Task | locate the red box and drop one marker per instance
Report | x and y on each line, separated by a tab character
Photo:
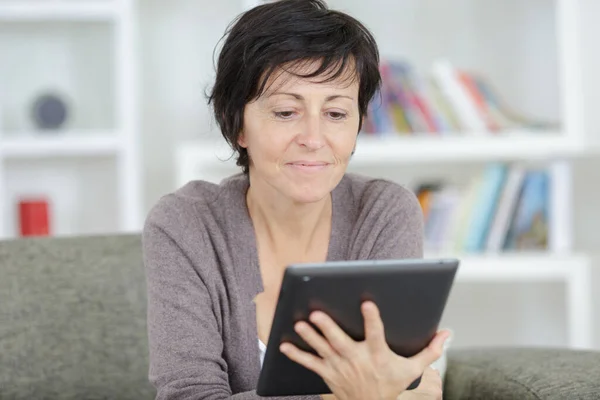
34	217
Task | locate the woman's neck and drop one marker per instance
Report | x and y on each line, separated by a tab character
284	222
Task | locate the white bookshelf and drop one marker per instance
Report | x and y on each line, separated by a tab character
527	267
425	149
211	159
573	271
72	145
116	138
515	146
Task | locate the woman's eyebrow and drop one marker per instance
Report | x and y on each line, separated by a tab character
300	97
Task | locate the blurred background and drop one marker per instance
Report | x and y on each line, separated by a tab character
488	112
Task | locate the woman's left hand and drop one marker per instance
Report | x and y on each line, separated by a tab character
430	388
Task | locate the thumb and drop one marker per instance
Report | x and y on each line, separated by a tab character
433	351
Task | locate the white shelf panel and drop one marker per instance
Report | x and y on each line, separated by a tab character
61	145
197	158
464	148
63	10
533	267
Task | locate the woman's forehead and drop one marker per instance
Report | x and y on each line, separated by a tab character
299	74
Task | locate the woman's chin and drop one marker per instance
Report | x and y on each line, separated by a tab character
311	191
309	195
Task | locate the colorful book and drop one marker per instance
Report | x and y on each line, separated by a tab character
485	207
506	209
529	230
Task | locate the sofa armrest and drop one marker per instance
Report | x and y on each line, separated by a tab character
522	373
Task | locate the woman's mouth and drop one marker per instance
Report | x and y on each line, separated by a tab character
308	166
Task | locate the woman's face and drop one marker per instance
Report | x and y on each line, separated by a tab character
300	135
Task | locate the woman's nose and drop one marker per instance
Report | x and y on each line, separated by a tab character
312	136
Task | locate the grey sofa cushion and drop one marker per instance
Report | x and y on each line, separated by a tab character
73	319
522	373
73	326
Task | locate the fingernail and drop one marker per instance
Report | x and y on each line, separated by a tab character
368	305
449	337
284	347
299	327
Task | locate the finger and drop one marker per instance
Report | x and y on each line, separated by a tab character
337	338
314	340
374	330
433	351
307	360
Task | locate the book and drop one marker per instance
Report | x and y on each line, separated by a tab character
485	207
503	208
506	209
443	100
529	229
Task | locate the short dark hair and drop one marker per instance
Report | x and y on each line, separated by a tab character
281	34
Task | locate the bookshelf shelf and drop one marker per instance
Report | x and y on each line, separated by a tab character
69	145
58	45
464	148
519	267
44	10
194	157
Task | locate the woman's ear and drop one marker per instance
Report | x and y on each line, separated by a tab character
241	140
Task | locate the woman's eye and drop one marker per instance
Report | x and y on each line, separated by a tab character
284	114
337	116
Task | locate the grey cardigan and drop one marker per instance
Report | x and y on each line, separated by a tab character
202	276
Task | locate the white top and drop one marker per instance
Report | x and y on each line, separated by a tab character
262	350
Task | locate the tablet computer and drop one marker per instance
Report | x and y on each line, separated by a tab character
411	296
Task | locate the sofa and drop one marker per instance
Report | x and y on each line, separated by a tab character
73	326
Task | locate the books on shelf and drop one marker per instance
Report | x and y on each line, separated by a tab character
446	100
504	208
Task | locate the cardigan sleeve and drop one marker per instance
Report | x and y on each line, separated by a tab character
185	341
389	223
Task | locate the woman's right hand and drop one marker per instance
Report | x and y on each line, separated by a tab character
367	370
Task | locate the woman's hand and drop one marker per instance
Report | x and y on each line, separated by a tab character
430	387
367	370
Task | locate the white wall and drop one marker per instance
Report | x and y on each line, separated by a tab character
178	38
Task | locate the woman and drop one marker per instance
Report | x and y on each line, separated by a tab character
293	83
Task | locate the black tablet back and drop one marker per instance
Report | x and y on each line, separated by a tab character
411	296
